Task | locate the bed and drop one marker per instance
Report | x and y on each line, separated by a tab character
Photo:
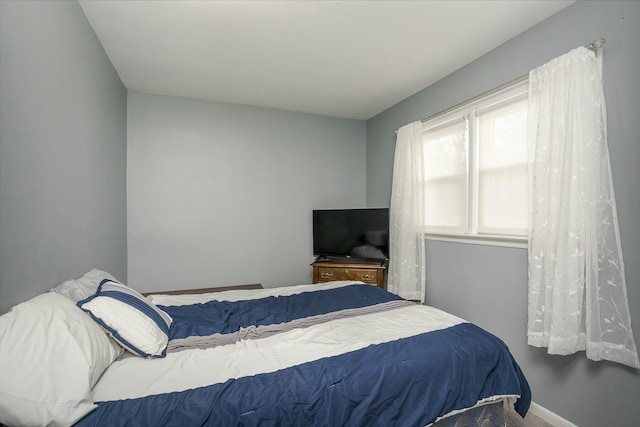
337	353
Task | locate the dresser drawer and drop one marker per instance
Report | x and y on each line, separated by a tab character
367	276
327	272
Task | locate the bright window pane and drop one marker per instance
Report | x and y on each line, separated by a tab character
503	208
446	182
502	168
446	204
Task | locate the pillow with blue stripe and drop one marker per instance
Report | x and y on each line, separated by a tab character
132	320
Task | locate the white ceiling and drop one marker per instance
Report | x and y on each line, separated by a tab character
349	59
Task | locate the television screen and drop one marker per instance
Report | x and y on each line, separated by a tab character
352	233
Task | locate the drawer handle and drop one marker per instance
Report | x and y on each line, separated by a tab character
327	275
367	277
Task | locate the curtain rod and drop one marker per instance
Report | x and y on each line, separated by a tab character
595	46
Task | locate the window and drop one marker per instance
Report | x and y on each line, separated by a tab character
476	176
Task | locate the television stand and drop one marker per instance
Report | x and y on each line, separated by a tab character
367	272
348	260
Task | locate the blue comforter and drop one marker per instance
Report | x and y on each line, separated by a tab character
410	381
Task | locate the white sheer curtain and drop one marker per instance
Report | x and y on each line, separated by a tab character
406	243
577	289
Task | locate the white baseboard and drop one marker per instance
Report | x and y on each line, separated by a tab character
549	417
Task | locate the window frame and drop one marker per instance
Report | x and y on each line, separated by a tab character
467	111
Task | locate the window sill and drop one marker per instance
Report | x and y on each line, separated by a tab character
509	242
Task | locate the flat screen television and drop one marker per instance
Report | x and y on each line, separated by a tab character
361	234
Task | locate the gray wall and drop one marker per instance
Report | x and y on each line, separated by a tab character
488	285
62	151
222	194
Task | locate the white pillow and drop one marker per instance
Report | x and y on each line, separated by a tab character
82	288
52	355
131	319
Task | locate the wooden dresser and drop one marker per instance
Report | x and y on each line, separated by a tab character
330	270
